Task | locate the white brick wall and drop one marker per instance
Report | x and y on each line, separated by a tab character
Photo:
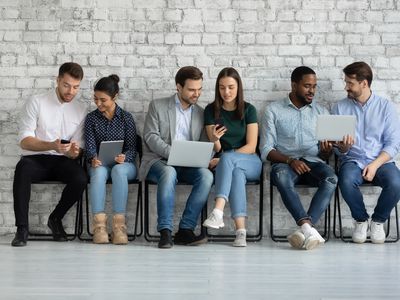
145	42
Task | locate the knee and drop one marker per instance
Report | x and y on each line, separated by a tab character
168	175
331	181
118	171
281	177
238	173
206	177
394	184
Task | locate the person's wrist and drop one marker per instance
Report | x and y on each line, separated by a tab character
289	160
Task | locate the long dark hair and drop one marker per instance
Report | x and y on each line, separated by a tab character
218	101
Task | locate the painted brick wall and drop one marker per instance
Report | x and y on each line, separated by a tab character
145	42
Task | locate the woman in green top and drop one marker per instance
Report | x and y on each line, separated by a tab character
231	124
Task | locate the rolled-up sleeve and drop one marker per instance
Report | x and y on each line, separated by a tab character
28	121
268	134
391	136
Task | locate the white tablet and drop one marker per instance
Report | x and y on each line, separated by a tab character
108	151
190	154
335	127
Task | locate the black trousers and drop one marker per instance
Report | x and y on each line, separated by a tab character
35	168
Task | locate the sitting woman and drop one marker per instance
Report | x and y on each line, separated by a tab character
231	123
109	122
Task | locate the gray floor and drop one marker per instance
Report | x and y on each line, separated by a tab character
264	270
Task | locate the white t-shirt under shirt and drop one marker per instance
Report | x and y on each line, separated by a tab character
46	118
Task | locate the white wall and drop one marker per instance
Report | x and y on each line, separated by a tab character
145	42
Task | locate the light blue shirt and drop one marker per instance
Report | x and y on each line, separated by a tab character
291	130
377	129
183	121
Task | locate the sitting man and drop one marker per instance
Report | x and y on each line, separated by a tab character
288	140
51	133
176	118
368	157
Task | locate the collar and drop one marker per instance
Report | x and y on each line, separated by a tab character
117	114
179	105
288	102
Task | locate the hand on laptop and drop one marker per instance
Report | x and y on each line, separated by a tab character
345	144
95	162
120	158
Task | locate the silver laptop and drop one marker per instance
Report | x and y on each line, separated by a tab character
335	127
109	150
190	154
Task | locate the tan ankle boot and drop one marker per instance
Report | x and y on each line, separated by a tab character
119	235
100	235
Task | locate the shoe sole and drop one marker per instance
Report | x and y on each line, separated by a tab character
378	241
296	241
195	243
212	226
239	245
357	241
169	246
311	244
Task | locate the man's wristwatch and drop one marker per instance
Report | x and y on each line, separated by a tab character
289	160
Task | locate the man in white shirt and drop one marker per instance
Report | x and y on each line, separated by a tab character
50	136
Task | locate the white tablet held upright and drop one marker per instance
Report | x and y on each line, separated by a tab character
108	151
335	127
190	154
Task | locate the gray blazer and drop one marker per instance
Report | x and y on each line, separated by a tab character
159	130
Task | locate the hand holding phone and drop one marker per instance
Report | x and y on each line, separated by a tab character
62	141
219	123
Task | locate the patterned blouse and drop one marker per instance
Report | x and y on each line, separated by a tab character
121	127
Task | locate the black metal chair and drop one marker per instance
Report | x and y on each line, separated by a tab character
283	238
249	237
139	211
348	238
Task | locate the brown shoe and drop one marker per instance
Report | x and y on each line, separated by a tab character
100	235
119	235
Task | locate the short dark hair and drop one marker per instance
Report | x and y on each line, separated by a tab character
187	72
108	85
72	69
299	72
359	70
218	101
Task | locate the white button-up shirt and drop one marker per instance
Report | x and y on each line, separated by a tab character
46	118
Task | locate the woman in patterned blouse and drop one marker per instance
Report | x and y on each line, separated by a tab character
109	122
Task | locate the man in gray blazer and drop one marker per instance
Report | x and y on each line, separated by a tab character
176	118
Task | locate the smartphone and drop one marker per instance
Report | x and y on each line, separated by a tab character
219	123
64	141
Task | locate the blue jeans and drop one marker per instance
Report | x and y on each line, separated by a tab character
120	174
232	172
321	176
166	178
387	177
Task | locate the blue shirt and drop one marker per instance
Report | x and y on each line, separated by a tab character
121	127
377	129
291	130
183	121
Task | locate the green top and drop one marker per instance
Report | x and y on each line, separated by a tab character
235	136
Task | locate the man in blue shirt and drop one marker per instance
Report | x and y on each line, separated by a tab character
288	140
369	156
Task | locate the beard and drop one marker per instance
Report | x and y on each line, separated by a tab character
303	99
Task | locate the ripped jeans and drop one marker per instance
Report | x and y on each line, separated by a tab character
321	176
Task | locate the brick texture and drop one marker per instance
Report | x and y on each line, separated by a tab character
145	42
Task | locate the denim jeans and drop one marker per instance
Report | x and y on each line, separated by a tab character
120	174
321	176
387	177
166	178
231	174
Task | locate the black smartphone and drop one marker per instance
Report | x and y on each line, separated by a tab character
219	123
64	141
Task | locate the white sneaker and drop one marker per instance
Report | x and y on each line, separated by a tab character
360	232
312	239
377	233
316	233
240	240
296	239
213	221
